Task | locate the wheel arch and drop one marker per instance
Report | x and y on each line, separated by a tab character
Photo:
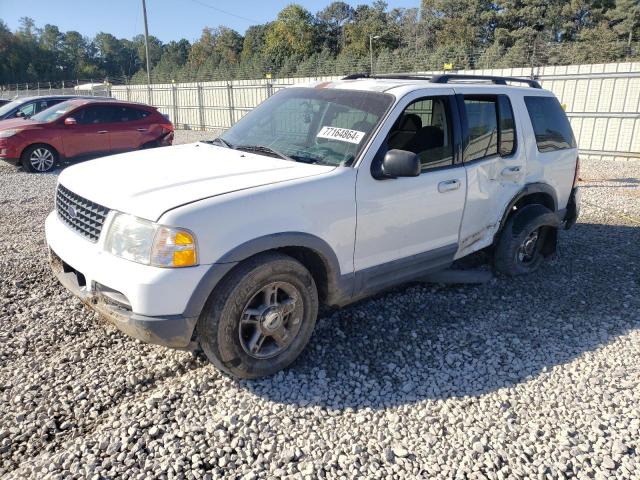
532	193
44	144
313	252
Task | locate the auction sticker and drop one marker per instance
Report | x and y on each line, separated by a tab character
341	134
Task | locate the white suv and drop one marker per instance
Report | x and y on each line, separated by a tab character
322	194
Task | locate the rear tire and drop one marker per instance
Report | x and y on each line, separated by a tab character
39	158
519	248
260	317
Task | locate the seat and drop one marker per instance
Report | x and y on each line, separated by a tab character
408	126
427	138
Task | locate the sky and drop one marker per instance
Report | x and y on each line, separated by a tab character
168	19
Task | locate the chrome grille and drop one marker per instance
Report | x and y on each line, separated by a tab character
82	215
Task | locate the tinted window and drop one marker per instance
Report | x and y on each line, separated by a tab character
129	114
94	115
550	124
424	128
507	130
482	117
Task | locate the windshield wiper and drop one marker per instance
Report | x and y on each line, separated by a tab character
221	141
263	149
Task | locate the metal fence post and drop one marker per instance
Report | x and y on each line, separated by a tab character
230	99
200	106
127	90
174	101
269	88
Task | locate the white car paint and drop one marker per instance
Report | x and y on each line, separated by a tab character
229	197
147	183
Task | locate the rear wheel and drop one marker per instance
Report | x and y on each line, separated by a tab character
39	158
261	316
520	247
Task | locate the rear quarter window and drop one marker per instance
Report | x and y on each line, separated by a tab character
550	124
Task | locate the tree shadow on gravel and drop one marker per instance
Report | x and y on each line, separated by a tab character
434	342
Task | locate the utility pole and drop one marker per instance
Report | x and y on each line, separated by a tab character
146	47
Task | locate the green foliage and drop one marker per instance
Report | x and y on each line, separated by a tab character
337	39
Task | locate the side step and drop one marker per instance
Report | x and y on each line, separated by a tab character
458	276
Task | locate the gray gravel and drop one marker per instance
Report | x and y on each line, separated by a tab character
534	377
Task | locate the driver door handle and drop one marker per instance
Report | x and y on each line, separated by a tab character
103	131
448	185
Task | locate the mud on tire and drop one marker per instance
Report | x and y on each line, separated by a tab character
260	317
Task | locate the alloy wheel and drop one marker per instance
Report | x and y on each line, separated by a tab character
271	320
41	159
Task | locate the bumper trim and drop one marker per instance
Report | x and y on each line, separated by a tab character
173	331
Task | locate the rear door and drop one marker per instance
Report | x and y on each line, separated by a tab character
90	135
129	128
494	159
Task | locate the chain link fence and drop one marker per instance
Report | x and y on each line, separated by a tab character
602	100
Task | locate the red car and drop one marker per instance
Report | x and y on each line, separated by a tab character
82	128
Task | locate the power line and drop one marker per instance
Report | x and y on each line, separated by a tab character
224	11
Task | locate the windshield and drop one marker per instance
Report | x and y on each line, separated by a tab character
325	126
10	106
53	113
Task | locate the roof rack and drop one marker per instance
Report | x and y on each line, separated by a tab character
448	78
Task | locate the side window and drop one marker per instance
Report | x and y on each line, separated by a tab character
424	128
482	117
28	109
129	114
94	115
492	128
507	128
44	104
550	124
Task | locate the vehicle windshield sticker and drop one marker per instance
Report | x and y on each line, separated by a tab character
341	134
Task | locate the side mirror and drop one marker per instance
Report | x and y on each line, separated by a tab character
19	114
70	121
401	163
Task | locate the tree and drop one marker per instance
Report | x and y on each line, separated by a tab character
292	34
330	23
625	18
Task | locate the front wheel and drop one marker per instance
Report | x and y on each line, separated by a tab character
261	316
39	158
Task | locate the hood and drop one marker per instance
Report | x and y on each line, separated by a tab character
18	124
148	183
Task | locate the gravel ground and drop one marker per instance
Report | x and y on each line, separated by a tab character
534	377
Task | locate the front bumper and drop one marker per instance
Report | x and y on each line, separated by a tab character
172	331
149	303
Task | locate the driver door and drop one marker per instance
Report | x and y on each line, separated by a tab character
409	226
90	135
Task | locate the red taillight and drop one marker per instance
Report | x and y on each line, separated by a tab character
576	177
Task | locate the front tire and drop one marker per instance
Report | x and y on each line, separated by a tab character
39	158
260	317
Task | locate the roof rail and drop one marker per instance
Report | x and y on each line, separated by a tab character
447	78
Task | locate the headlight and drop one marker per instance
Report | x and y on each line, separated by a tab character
146	242
8	133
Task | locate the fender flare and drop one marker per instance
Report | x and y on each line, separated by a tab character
338	286
528	189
